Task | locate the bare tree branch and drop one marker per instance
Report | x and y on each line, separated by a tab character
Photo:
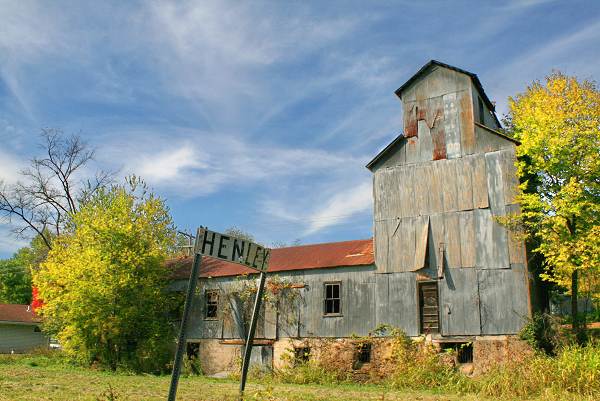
51	189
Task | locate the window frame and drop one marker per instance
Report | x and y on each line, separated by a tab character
325	299
206	304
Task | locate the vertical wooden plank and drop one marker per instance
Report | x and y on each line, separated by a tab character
467	238
448	173
467	126
464	184
395	249
479	177
451	126
495	183
421	236
453	240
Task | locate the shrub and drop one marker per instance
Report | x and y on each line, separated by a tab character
544	333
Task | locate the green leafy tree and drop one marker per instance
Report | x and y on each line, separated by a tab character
558	124
104	281
15	273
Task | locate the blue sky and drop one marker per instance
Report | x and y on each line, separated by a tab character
256	114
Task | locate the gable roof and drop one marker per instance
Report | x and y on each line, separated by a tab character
14	313
432	63
303	257
384	151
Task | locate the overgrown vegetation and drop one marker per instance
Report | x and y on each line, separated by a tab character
574	370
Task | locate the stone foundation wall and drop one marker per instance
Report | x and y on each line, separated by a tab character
341	354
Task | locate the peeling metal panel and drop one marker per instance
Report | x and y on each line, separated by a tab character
466	225
503	296
459	301
451	126
422	235
495	184
452	240
479	176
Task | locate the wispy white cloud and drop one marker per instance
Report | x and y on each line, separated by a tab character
341	206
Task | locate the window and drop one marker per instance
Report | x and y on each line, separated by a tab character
363	353
333	303
463	351
301	355
212	304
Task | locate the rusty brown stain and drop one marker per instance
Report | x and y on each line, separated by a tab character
411	123
438	138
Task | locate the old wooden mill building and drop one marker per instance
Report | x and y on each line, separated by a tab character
439	264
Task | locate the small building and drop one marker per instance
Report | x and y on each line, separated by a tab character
440	265
20	330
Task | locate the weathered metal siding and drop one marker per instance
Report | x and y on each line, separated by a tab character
460	177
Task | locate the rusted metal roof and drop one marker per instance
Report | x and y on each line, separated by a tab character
12	313
303	257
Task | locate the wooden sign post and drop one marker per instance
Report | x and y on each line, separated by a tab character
232	249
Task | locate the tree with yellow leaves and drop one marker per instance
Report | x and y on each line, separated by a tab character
558	125
104	283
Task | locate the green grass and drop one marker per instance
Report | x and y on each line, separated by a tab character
44	377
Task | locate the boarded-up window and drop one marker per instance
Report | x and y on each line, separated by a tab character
333	301
211	304
429	307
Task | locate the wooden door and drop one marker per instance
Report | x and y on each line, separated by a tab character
429	308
